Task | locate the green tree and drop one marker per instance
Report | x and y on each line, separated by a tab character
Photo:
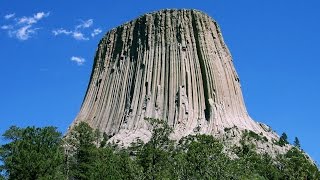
104	139
155	156
283	139
82	151
110	164
296	143
296	165
249	164
36	153
203	158
32	153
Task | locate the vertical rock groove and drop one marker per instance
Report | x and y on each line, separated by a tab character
171	65
202	66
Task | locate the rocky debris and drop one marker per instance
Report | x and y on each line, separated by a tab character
171	65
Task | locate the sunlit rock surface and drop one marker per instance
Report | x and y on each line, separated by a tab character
171	65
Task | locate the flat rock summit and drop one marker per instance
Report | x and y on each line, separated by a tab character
171	65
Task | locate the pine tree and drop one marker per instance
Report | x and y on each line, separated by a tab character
32	153
283	139
83	151
36	153
296	143
154	156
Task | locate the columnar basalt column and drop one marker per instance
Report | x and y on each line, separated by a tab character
171	65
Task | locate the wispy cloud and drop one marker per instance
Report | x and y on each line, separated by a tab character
75	34
23	28
79	36
85	24
61	31
78	60
33	19
80	31
8	16
96	32
25	32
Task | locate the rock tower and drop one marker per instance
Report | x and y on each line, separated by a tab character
171	65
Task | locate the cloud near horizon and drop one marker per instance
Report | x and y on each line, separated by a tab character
79	60
23	28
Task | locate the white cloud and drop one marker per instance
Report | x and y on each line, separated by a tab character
96	32
80	31
24	32
78	60
27	20
23	28
79	36
8	16
61	31
85	24
75	34
41	15
33	19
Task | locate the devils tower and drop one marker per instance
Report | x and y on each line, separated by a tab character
171	65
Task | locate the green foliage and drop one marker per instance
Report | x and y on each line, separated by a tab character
296	165
32	153
35	153
283	140
296	143
251	165
155	156
110	164
248	135
83	151
104	139
200	157
88	161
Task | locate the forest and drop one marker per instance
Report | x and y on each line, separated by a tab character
84	153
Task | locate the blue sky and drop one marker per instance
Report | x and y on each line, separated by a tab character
47	50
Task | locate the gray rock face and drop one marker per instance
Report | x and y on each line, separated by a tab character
171	65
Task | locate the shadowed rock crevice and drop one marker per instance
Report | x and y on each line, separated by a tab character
202	66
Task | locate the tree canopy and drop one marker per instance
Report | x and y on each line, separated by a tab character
41	153
32	153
